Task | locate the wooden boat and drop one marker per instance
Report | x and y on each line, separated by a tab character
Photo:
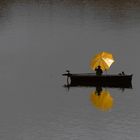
89	79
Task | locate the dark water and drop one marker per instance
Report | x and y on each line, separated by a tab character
39	40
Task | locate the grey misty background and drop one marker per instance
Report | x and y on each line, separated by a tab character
39	40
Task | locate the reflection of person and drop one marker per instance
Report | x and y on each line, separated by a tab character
98	90
99	71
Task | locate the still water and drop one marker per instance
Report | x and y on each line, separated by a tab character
39	40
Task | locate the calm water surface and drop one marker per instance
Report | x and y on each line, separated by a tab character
39	40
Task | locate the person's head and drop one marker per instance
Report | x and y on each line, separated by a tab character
99	67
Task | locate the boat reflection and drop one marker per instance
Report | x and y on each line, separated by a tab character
101	99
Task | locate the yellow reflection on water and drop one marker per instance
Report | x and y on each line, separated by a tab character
102	100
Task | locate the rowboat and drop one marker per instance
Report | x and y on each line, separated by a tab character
90	79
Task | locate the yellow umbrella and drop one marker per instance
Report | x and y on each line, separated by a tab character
103	59
103	101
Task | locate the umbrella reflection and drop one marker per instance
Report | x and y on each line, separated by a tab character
101	99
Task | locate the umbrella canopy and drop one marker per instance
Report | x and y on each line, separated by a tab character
103	59
102	101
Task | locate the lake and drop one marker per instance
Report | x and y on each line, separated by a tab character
39	40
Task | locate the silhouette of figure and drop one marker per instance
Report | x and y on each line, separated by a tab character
98	90
99	71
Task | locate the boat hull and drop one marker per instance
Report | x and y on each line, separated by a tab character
122	81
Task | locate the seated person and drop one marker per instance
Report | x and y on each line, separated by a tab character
99	71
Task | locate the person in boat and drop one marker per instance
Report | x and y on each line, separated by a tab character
99	71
